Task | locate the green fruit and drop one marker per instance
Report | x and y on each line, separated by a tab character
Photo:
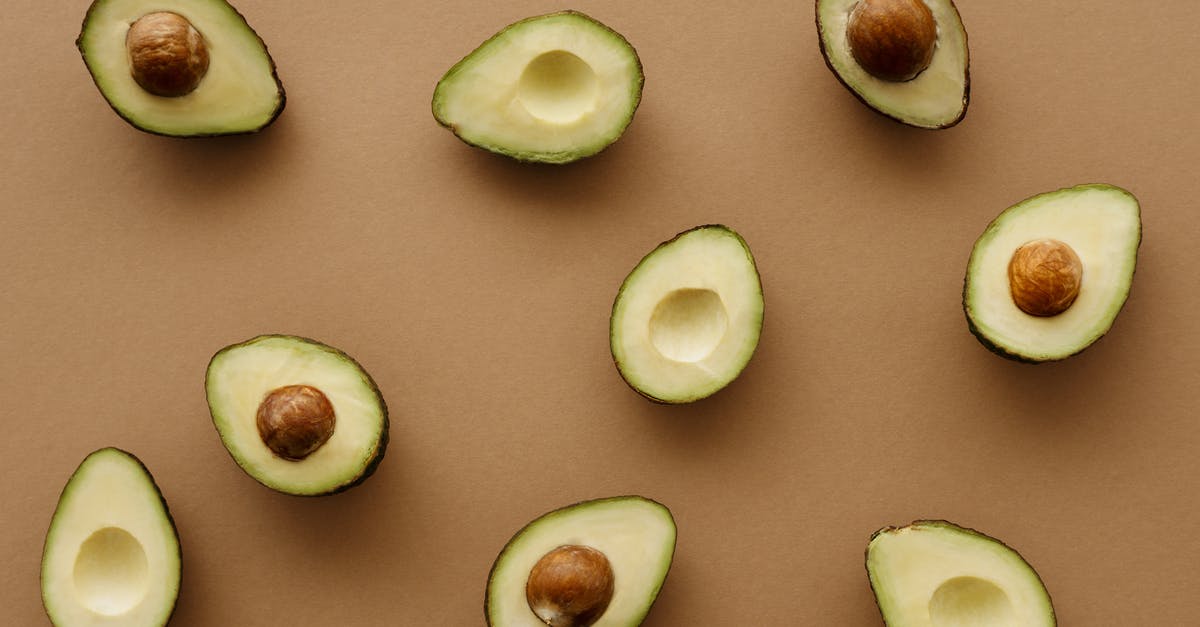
112	555
687	319
1059	299
598	562
182	69
553	89
932	573
299	416
906	59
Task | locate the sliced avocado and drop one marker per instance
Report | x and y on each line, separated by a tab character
686	320
553	89
933	573
112	556
598	562
299	416
906	59
182	68
1050	274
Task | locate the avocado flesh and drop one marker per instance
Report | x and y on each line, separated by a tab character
687	319
240	93
1102	223
240	377
552	89
112	556
937	574
935	98
636	534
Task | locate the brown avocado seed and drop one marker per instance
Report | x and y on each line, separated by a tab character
893	40
570	586
1044	276
167	55
295	420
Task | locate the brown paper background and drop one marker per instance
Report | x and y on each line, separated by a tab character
477	292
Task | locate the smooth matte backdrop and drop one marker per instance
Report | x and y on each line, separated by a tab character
477	292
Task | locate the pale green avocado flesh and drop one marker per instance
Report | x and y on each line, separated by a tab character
112	556
240	93
635	534
935	98
1102	224
937	574
241	376
687	319
552	89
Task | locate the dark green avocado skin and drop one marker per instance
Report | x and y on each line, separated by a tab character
166	511
384	434
274	75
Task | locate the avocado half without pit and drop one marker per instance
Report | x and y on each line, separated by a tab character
598	562
906	59
933	573
300	417
181	68
687	319
552	89
1050	274
112	556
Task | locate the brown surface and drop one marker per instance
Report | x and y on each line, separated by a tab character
477	293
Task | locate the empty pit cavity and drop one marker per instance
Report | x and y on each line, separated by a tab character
111	572
688	324
558	87
971	602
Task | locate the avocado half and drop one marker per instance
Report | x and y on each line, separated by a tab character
550	89
112	555
635	534
1102	224
933	573
244	380
936	98
240	92
687	319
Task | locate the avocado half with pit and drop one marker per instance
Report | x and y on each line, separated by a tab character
552	89
599	562
906	59
181	68
687	319
112	556
300	417
1050	274
933	573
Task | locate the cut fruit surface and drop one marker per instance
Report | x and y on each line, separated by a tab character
112	556
1097	227
299	416
934	573
936	97
553	88
687	319
635	537
238	90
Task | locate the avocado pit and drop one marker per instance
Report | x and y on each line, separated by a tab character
167	55
1044	277
295	420
893	40
570	586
